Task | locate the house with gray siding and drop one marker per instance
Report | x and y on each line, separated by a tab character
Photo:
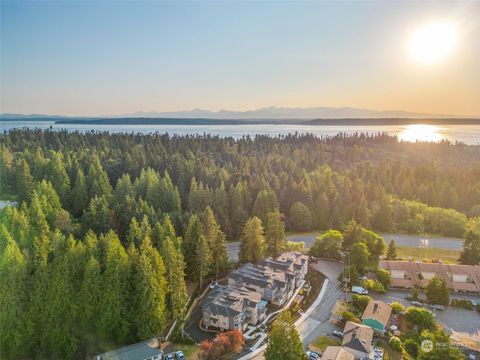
229	308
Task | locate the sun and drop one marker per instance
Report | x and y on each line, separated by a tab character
432	42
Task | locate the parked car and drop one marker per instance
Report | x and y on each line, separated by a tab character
169	356
417	303
359	290
338	334
437	307
213	284
473	302
312	355
179	355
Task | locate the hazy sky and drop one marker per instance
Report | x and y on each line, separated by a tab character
98	58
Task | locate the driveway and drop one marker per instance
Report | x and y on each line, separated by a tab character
233	248
318	322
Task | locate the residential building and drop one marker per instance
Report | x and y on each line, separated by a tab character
276	279
377	315
408	274
357	339
233	308
145	350
337	353
272	285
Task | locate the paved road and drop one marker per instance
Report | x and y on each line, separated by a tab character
318	322
402	240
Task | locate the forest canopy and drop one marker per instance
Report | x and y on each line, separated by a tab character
102	218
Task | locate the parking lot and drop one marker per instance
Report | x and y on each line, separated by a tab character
466	322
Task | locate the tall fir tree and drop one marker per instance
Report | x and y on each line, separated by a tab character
284	341
252	244
175	275
203	259
150	289
191	239
392	250
114	321
13	300
275	234
470	254
23	181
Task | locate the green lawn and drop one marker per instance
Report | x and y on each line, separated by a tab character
323	341
446	255
188	350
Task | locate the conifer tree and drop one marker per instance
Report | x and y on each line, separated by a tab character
265	202
471	245
23	181
252	244
13	300
79	194
284	341
192	238
392	250
98	182
150	289
275	234
175	275
203	259
219	254
114	305
90	294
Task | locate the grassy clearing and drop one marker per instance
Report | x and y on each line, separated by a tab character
389	353
190	351
446	255
322	342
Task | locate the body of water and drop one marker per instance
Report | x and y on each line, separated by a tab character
468	134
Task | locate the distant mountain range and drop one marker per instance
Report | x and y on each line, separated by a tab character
268	113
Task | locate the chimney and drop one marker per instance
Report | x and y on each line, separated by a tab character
375	306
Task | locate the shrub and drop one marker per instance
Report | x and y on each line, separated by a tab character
361	301
348	316
462	303
395	343
397	307
411	347
421	317
383	276
224	343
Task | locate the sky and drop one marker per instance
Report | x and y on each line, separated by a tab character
104	58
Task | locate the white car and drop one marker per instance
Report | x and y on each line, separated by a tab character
338	333
312	355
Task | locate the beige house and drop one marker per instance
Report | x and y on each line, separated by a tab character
377	315
336	353
408	274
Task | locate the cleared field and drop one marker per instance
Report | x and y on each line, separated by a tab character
449	256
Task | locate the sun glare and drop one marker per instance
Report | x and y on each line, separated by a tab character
433	42
419	132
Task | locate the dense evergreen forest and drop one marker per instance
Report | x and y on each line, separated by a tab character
110	227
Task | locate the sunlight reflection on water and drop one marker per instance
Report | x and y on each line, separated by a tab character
420	132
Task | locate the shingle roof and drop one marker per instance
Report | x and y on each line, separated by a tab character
139	351
378	310
444	271
337	353
358	337
227	301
